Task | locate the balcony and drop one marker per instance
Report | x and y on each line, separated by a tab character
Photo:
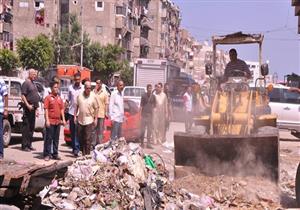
120	21
145	23
7	27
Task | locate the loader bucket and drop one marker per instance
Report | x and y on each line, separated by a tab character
253	155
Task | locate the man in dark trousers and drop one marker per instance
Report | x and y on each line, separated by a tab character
73	91
3	112
147	106
30	98
54	112
86	117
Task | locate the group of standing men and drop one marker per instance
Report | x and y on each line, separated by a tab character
87	111
156	114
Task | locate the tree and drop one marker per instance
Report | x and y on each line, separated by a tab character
126	74
67	43
109	62
8	61
37	53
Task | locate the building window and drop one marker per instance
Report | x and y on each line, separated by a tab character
118	33
99	6
121	10
99	29
39	4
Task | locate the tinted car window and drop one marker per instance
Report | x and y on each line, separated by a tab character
274	95
291	97
15	89
137	92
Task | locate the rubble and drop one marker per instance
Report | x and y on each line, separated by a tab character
234	192
118	175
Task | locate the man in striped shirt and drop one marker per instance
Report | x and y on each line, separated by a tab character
236	64
3	112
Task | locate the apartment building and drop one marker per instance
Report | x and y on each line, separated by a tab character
193	55
121	22
296	4
6	35
33	17
106	21
163	38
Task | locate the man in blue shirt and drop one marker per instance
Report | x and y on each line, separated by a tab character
3	112
116	110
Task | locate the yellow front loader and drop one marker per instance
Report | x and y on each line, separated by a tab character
239	135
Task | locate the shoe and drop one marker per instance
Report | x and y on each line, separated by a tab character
32	149
26	149
76	154
56	158
47	158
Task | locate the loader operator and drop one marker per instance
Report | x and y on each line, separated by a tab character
236	67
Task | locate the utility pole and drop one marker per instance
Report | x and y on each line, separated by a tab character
81	49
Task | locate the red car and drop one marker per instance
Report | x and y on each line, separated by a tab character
130	127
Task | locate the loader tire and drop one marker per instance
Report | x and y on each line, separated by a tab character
268	130
198	130
297	186
6	133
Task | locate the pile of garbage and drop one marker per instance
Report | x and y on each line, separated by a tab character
118	175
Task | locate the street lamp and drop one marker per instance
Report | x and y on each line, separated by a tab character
81	50
81	43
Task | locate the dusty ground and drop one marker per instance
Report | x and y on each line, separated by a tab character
234	193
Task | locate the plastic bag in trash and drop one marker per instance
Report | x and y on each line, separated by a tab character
122	160
99	156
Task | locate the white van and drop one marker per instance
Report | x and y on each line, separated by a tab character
14	122
134	93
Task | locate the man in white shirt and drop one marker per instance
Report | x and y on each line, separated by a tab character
188	105
116	110
73	92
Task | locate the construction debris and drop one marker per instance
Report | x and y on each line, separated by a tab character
234	192
119	176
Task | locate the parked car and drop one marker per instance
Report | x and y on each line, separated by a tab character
286	104
13	124
130	127
134	93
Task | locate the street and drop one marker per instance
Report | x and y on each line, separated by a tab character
289	158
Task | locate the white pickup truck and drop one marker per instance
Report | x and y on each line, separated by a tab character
13	124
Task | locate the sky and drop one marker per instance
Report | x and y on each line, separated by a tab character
274	18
